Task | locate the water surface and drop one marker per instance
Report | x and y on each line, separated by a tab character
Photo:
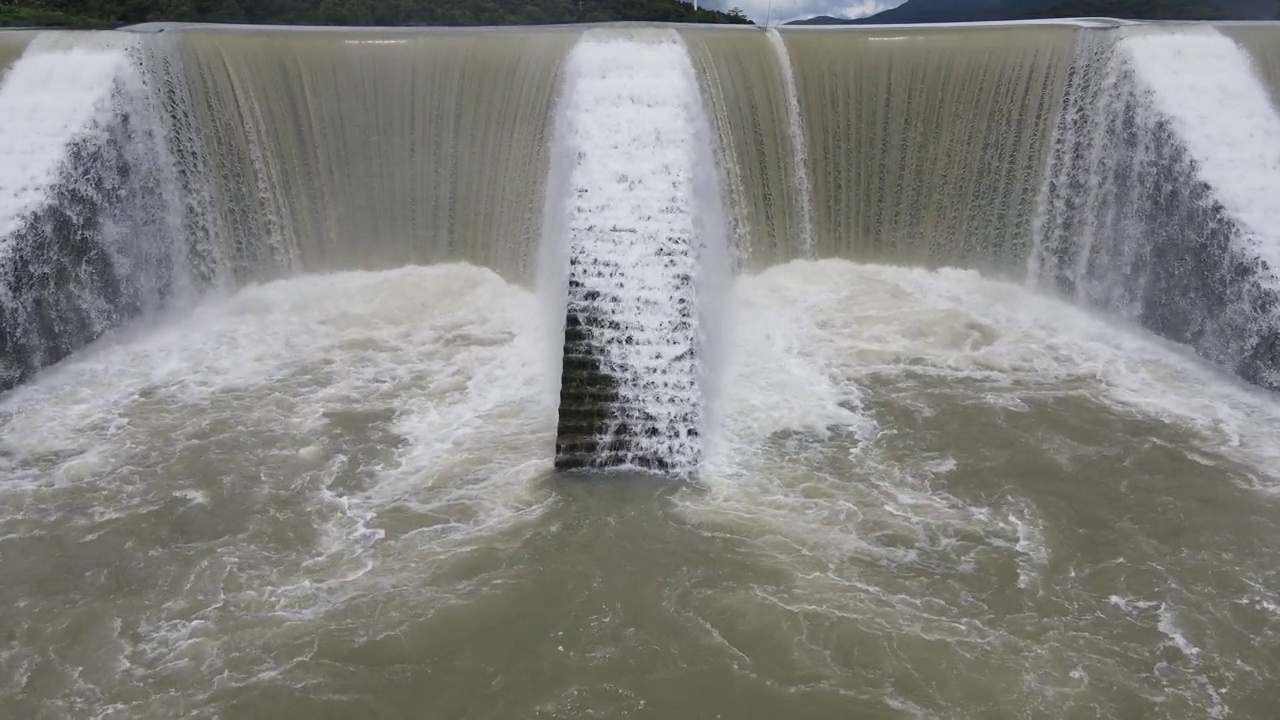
926	494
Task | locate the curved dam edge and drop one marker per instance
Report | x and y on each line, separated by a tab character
320	149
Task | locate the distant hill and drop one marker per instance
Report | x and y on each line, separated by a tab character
922	11
931	11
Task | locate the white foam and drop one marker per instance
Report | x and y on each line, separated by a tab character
1032	546
959	324
631	111
55	93
798	457
799	453
1168	625
1207	85
871	524
369	427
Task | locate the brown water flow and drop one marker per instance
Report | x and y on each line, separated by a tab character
927	146
930	495
343	150
920	493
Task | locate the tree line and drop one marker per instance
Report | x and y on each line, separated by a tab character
115	13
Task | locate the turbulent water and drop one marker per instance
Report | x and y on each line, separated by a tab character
285	322
931	495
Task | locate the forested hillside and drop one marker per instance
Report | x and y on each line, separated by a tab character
110	13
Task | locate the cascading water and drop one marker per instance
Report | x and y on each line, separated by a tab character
337	150
799	146
1157	203
631	394
91	217
250	157
928	147
747	90
919	491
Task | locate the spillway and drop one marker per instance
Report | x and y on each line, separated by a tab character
630	393
1156	206
928	147
341	369
275	152
91	224
375	150
224	157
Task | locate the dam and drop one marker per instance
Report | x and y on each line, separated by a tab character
652	370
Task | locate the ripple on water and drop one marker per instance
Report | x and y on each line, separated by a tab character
228	483
955	470
930	495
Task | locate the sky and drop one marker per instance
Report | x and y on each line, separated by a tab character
785	10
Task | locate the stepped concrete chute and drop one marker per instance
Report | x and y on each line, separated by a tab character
631	391
588	394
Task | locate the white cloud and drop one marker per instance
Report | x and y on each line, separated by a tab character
779	11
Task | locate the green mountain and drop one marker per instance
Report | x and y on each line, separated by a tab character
114	13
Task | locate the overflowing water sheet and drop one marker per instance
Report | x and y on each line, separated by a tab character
12	44
911	492
928	146
336	149
799	146
746	90
1258	39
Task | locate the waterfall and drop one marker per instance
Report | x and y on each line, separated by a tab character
341	149
799	146
91	214
1129	168
745	87
1156	203
631	393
